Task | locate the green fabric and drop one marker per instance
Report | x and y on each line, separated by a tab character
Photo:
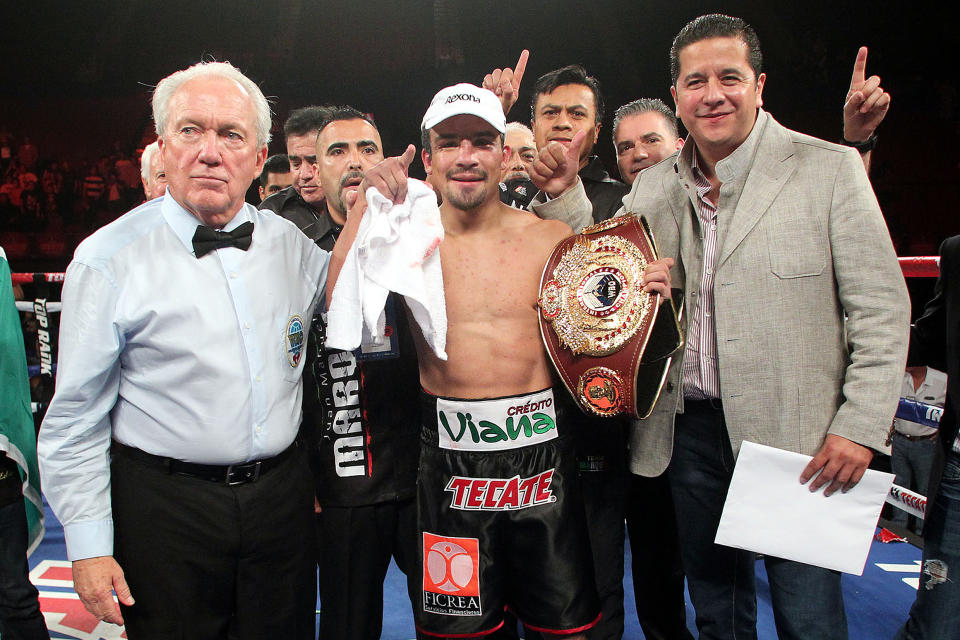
17	436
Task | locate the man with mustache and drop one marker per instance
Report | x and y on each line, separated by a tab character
494	358
523	151
516	188
362	414
565	101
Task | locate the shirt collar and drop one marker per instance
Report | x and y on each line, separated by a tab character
325	225
184	224
701	182
736	165
322	223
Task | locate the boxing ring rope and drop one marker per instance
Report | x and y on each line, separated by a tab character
920	266
913	267
927	415
52	307
41	309
30	278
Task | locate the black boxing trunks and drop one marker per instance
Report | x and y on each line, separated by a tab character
501	518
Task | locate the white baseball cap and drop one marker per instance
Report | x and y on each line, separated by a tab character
465	99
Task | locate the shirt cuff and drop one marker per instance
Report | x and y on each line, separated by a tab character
89	539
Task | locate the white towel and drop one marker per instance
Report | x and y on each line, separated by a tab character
396	249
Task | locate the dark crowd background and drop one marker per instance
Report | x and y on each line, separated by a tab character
76	80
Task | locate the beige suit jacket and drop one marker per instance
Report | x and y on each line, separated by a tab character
806	246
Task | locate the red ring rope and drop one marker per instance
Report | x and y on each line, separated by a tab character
920	266
28	278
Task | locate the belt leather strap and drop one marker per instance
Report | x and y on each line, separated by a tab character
231	475
610	341
912	438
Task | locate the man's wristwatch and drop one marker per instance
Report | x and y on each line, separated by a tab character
862	147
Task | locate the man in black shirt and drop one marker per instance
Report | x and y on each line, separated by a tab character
361	414
516	187
566	101
302	202
275	176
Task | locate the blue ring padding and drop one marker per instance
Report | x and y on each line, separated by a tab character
34	369
925	414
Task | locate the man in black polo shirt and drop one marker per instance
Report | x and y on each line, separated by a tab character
302	202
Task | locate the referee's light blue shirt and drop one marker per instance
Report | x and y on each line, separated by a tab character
194	359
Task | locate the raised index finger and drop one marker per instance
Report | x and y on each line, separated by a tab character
407	157
859	70
520	68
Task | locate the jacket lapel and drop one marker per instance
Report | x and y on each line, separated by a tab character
772	166
691	246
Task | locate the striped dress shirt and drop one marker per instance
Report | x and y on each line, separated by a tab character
701	377
701	374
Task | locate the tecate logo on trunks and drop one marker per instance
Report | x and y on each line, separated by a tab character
496	425
500	494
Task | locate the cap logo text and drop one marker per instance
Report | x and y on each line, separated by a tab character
462	96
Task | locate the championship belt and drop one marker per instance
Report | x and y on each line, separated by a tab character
609	340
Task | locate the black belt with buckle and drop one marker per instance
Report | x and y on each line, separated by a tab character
232	474
931	436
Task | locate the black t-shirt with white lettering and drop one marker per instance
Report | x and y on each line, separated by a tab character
361	409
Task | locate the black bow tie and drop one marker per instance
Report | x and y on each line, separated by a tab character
206	239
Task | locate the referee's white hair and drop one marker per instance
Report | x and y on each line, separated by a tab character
169	85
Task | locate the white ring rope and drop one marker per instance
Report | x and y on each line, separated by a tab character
27	306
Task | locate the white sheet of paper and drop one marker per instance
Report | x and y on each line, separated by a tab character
768	511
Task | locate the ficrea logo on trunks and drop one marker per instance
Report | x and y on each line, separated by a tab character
451	575
496	425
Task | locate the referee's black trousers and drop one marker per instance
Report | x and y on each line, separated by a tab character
204	559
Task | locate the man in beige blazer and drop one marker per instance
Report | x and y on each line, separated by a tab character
796	319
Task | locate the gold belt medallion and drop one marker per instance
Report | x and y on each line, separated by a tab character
595	299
